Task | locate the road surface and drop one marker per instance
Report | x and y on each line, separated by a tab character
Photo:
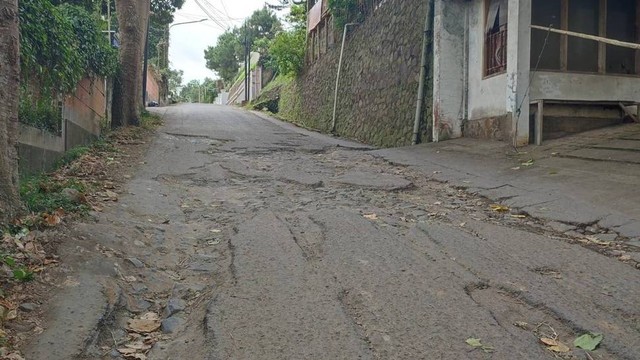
278	243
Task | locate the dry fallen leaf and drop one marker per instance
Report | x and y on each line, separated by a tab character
50	261
138	345
371	216
521	324
127	351
555	345
12	314
548	341
110	195
52	219
132	354
560	348
625	257
499	208
147	323
518	216
595	240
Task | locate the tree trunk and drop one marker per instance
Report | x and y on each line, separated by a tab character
133	17
9	89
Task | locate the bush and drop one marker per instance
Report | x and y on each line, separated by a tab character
41	194
344	11
42	113
61	44
287	51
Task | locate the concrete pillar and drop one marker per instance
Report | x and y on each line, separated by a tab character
448	68
519	69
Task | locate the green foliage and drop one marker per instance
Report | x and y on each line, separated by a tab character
40	112
288	50
297	17
162	11
20	273
259	30
150	121
97	55
41	194
60	44
344	11
49	50
223	57
195	91
263	23
72	155
174	80
89	5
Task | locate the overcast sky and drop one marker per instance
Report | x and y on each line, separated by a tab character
188	41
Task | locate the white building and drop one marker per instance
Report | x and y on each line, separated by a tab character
493	73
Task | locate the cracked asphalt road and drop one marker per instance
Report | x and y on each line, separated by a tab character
286	244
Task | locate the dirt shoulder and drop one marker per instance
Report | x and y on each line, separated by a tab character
43	243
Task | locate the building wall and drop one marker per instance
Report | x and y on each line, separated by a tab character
486	94
378	84
153	87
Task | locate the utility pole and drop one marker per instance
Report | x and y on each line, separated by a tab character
247	62
146	60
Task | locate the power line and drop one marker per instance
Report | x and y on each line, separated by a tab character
210	16
224	7
224	15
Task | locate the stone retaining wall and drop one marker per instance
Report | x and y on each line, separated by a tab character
379	81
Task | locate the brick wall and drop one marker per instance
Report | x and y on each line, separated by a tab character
153	87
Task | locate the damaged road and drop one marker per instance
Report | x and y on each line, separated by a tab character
254	240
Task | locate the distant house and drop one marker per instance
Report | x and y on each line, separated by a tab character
493	72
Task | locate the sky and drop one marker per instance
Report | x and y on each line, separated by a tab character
188	41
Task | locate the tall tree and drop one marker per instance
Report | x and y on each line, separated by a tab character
223	57
260	28
9	90
133	19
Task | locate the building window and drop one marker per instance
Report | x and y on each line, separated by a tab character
496	37
621	25
546	13
613	19
582	54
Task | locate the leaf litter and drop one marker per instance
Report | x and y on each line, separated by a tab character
27	251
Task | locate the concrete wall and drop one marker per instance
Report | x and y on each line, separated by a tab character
589	87
449	42
379	82
38	149
83	114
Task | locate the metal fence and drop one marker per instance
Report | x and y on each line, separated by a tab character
496	54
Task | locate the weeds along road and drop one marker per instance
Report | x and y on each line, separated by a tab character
253	240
